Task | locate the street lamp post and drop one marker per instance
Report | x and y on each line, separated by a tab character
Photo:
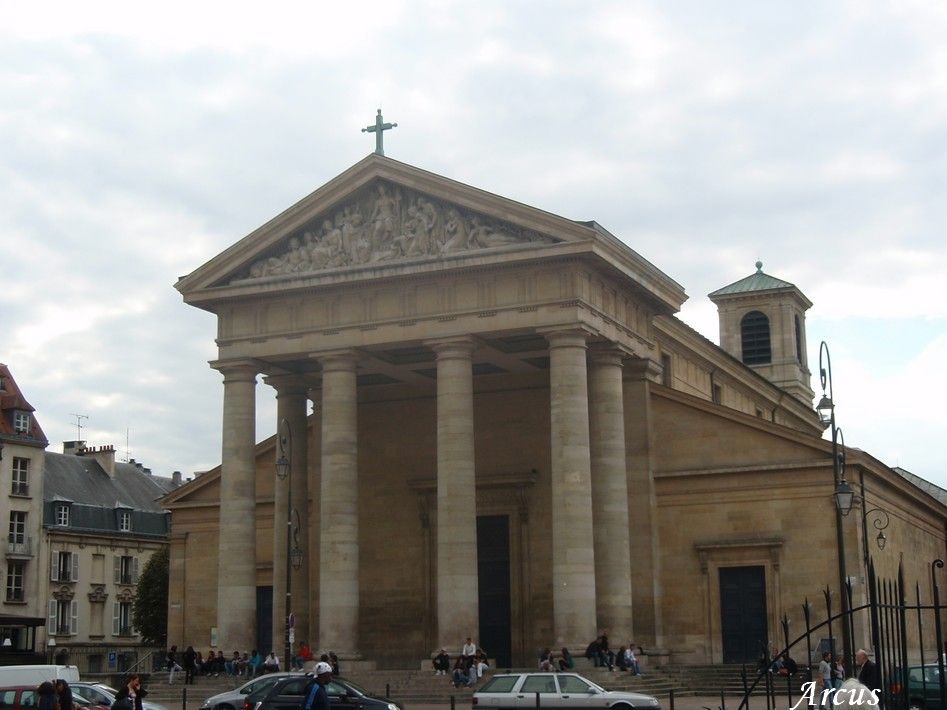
843	492
293	551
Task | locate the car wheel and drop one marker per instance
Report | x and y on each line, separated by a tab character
622	706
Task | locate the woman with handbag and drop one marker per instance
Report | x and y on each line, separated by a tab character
130	695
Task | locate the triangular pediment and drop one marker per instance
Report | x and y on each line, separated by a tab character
386	222
382	217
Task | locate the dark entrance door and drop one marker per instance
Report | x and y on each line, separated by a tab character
493	580
743	613
264	620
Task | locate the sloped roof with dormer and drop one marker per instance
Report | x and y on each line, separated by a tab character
12	400
95	495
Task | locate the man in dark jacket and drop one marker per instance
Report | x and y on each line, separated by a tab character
866	671
317	698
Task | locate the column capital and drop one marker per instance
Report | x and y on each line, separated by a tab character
607	353
287	385
573	336
641	368
237	370
341	360
458	346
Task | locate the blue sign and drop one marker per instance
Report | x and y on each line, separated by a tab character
113	659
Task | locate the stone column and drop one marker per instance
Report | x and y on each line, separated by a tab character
642	504
338	506
236	562
573	560
610	493
313	539
291	402
457	593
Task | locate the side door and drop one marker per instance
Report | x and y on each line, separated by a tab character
289	695
340	698
576	692
542	683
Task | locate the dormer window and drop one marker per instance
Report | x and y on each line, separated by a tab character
124	521
62	514
21	422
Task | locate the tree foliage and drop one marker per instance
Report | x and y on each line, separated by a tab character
151	599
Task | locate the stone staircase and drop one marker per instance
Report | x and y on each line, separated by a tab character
712	679
171	696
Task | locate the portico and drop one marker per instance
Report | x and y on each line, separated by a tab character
393	289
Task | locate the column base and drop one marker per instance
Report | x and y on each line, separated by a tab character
654	657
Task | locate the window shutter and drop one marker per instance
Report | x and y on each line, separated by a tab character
51	628
74	617
117	567
54	566
116	618
134	570
75	566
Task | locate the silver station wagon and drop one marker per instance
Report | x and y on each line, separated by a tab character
517	691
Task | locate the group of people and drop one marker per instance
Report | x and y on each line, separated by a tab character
469	667
245	665
626	658
831	673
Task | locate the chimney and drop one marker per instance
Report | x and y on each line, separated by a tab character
176	478
73	448
105	456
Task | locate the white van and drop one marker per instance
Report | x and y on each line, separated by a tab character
13	676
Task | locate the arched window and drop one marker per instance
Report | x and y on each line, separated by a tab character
798	340
754	331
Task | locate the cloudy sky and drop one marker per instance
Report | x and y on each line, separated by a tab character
138	140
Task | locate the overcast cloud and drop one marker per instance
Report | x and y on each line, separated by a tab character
139	140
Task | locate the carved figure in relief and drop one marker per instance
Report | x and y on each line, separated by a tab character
383	218
483	236
456	232
431	219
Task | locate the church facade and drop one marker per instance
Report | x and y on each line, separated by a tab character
496	427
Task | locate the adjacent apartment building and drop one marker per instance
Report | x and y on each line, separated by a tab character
101	524
22	448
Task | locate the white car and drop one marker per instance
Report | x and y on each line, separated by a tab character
517	691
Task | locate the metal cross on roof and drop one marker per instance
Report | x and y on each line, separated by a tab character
378	129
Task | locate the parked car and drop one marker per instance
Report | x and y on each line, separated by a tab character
289	694
25	697
923	687
556	690
102	694
234	699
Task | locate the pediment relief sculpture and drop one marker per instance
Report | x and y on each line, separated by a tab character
388	223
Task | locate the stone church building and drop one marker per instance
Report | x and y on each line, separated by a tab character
497	427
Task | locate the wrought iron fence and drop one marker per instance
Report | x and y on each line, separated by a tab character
907	643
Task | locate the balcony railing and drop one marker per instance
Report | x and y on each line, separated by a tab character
19	546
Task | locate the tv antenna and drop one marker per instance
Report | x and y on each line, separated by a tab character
79	418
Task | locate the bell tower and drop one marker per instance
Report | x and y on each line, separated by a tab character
763	324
